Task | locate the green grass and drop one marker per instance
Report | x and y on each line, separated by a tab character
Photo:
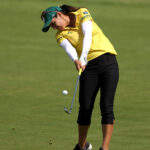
34	70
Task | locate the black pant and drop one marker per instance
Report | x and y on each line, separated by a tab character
100	73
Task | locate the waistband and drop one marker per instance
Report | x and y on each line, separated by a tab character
101	57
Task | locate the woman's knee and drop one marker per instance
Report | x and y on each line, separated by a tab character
107	117
84	117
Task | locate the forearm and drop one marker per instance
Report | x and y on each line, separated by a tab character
87	41
70	50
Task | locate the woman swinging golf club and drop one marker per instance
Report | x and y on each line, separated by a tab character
91	51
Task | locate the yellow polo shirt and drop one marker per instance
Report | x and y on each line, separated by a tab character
100	43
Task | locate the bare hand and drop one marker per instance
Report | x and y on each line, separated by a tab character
78	65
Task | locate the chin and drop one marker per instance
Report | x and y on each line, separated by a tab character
61	29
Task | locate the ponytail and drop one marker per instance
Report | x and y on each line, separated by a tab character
67	9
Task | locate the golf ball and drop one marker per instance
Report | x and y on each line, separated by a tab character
64	92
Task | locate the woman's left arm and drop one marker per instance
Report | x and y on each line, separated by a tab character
87	41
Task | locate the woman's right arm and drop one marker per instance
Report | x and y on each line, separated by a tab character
71	51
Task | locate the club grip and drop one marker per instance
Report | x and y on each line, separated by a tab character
80	71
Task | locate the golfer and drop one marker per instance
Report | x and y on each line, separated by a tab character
89	49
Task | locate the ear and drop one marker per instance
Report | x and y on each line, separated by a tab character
59	14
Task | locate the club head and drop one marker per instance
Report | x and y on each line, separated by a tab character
66	110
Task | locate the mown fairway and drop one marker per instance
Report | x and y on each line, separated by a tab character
34	70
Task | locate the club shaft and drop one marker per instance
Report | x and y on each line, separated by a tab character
74	93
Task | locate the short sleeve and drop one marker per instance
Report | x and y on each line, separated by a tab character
85	15
59	37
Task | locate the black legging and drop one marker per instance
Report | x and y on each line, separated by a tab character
100	73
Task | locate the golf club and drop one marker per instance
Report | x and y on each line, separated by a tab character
77	82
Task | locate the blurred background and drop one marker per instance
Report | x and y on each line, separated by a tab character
34	70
